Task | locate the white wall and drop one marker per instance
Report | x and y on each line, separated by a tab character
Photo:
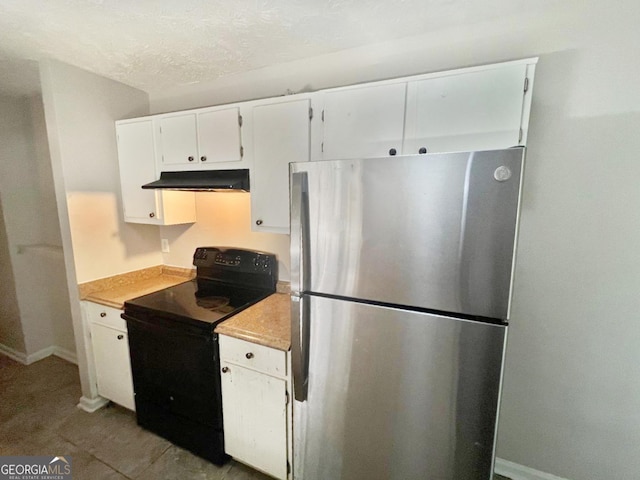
571	391
80	111
33	249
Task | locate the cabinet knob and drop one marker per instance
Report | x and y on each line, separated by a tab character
103	314
120	337
151	215
258	222
190	159
203	158
392	151
249	355
422	150
225	369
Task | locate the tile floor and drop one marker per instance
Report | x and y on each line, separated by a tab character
38	416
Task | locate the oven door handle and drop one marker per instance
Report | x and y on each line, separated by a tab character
176	329
300	346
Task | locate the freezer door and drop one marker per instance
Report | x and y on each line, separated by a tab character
396	395
433	231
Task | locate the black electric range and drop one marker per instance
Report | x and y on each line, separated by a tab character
174	351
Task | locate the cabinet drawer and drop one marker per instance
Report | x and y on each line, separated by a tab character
107	316
254	356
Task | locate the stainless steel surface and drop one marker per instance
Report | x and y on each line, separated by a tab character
397	395
434	231
299	232
299	350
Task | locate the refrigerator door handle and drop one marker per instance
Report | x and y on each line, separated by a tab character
300	346
299	232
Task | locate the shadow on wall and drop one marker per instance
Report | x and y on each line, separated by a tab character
11	334
572	349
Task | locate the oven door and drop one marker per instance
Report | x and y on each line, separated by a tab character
175	367
176	381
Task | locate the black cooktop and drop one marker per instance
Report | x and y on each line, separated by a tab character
227	281
200	301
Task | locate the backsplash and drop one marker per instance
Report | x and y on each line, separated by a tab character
223	219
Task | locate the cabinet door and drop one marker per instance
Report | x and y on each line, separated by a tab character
137	166
136	157
280	136
254	413
179	142
113	367
364	122
472	111
219	136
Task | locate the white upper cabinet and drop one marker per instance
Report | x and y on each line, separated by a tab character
206	140
136	157
476	108
363	121
178	139
281	133
479	110
219	136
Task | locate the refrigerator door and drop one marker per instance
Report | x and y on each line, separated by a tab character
396	395
432	231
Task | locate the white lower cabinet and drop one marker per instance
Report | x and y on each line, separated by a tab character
110	345
255	404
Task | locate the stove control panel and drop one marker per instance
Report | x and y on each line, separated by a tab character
231	264
224	259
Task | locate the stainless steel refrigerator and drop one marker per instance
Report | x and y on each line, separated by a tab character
401	283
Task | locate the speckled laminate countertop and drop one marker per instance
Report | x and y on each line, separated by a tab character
266	323
114	291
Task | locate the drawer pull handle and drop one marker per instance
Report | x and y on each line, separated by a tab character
249	355
120	337
225	369
103	314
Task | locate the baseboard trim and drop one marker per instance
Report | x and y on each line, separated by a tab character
40	354
516	471
92	404
25	359
13	354
65	354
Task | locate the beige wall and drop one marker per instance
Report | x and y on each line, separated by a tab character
571	390
11	334
224	219
32	252
80	111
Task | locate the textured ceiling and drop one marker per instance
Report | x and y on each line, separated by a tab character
154	44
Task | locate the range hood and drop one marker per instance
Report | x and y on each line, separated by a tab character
203	180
